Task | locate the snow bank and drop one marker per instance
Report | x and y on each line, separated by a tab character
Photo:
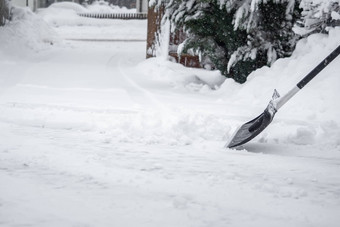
26	32
178	76
69	6
64	13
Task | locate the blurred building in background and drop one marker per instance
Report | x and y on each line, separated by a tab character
142	6
35	4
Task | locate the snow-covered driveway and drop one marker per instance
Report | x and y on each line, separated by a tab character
91	134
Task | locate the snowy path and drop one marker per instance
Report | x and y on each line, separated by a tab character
87	141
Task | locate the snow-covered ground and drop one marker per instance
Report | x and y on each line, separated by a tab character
92	134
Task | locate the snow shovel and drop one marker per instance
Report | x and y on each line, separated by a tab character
254	127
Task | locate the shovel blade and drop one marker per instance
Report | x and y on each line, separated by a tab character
252	128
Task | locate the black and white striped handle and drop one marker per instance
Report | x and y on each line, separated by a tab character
319	68
281	101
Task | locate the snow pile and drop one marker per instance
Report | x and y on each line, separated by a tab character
63	13
180	77
26	31
69	6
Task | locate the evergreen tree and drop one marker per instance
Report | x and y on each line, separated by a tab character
238	36
212	35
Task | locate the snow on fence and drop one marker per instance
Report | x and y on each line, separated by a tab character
124	16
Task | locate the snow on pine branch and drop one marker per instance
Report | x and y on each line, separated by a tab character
320	14
320	6
246	16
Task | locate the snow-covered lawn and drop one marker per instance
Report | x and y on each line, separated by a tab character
92	134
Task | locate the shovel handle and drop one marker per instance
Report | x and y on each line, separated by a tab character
319	68
282	100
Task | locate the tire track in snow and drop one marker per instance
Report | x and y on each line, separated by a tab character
166	114
142	90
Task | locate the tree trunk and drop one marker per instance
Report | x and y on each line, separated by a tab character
4	12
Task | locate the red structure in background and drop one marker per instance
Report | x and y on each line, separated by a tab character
154	25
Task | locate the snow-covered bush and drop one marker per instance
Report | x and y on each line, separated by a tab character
237	35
